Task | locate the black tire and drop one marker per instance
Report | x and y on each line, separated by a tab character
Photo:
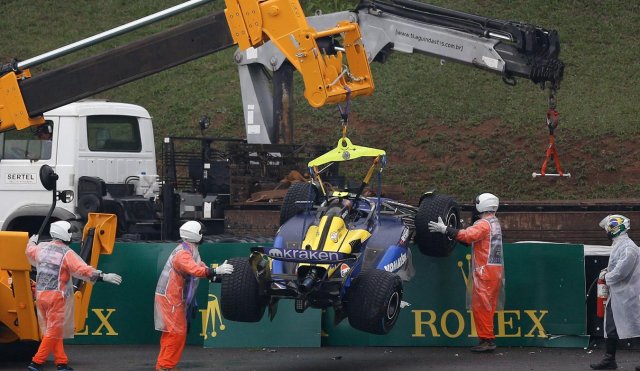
374	301
432	207
241	299
297	192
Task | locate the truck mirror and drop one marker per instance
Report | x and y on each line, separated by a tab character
48	177
66	196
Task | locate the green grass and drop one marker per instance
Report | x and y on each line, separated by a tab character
450	127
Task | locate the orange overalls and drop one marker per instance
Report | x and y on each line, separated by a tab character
56	263
485	237
175	290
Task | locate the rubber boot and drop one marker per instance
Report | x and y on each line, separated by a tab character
607	363
63	367
35	367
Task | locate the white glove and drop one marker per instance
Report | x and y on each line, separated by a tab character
602	274
112	278
33	239
224	268
438	226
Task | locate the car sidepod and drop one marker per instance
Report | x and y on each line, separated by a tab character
388	249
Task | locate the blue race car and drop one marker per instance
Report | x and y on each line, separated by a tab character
339	249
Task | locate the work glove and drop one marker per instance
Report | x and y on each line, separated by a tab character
438	226
602	274
33	239
224	268
111	278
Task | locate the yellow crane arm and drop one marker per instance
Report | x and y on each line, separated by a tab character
327	78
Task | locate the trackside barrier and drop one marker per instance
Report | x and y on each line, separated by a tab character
544	304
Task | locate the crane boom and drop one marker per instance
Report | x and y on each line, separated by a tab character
328	78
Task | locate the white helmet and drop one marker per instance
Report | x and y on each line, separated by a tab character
615	225
487	202
192	231
61	230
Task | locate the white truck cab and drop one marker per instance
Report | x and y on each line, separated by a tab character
97	148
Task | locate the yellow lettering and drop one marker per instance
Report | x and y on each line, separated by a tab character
212	312
473	333
104	322
83	332
418	323
537	323
503	323
443	323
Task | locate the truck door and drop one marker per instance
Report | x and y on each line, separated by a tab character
22	153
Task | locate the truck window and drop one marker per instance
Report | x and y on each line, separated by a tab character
107	133
28	144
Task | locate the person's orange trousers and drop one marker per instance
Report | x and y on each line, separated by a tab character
171	347
51	307
483	305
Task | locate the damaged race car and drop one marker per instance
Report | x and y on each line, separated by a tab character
339	249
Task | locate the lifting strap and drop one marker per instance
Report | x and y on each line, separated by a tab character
553	119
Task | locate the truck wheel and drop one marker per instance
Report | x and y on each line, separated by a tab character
432	207
374	301
296	193
240	296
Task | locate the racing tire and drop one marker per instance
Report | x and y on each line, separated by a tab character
433	243
241	299
296	193
374	301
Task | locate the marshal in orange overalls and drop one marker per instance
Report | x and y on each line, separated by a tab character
487	272
56	264
174	293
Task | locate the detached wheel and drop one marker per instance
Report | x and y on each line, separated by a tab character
241	299
374	301
432	207
296	193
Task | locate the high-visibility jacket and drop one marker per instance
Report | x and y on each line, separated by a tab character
176	287
485	237
56	264
485	292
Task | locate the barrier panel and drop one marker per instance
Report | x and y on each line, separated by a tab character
544	303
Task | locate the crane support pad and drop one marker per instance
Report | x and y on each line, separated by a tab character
127	63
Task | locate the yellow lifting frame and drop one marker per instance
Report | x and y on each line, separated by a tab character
326	78
345	151
13	112
103	240
17	308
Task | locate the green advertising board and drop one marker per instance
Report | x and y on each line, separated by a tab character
544	303
124	314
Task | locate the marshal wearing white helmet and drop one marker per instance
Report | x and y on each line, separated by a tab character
622	275
175	293
56	264
485	237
